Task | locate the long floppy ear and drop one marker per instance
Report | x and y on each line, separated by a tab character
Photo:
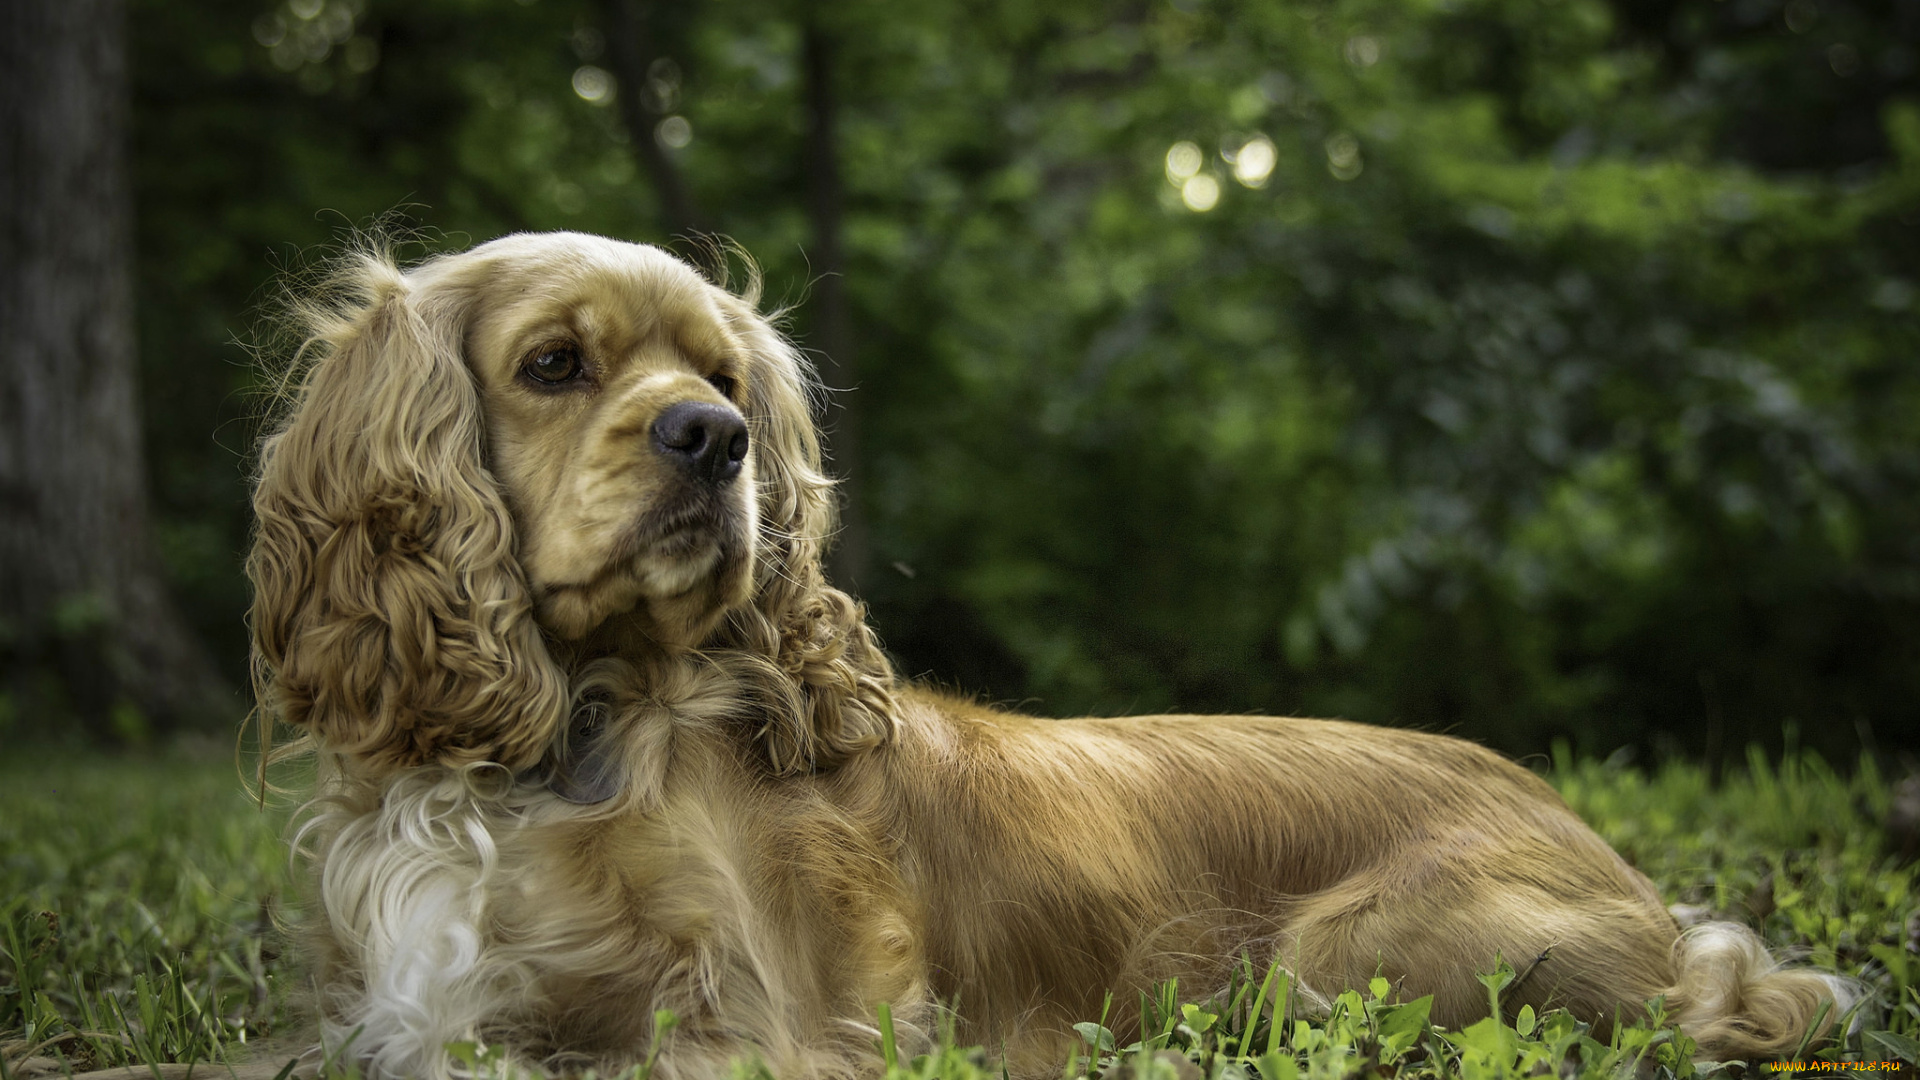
826	693
391	620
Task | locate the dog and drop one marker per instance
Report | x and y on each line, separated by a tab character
537	578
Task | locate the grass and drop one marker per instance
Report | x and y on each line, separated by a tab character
137	918
138	901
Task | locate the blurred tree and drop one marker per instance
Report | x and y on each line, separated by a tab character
86	624
643	41
1798	84
832	321
1517	369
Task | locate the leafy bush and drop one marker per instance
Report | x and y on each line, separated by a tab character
1528	370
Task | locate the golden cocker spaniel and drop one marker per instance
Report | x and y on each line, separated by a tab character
538	573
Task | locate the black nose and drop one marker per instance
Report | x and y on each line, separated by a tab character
708	440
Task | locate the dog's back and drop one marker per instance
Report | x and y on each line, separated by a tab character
1059	860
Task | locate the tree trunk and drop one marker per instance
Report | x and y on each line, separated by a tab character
832	322
639	35
85	624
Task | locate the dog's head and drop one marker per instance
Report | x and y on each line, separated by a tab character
551	446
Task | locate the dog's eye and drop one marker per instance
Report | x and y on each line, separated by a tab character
555	365
726	384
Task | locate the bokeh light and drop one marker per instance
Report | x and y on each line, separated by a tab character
300	35
1343	156
1253	163
674	132
1201	193
1183	161
594	85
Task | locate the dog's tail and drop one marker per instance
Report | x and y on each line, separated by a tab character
1739	1003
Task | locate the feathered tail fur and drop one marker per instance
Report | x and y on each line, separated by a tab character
1739	1003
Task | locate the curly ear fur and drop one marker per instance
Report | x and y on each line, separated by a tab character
391	620
821	683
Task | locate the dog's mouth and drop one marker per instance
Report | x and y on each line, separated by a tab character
680	565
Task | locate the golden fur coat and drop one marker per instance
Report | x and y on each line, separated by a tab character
537	573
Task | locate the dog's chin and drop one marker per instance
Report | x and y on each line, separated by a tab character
675	592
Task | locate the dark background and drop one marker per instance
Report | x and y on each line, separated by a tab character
1559	378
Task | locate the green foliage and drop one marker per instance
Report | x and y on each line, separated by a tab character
1375	1033
1790	848
137	927
137	904
1521	373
